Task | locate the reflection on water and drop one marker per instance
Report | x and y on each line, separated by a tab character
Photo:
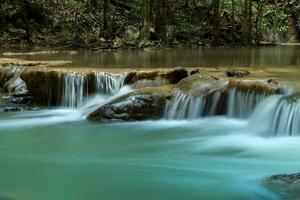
214	57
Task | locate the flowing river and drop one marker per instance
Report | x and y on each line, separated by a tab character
56	154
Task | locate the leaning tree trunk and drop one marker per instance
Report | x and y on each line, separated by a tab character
107	21
161	20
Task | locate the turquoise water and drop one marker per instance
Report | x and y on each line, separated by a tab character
58	155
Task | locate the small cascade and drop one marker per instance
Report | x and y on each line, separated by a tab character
107	83
233	103
277	116
184	106
241	104
97	101
74	89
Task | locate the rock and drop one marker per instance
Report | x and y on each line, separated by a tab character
30	53
172	76
176	75
8	71
232	73
135	106
150	83
286	185
286	178
171	29
202	85
102	39
13	104
16	87
132	33
194	71
257	86
117	42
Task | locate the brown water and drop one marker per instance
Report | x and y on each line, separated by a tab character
213	57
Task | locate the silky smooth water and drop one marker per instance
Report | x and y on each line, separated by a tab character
58	155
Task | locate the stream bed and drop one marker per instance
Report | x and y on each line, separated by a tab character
57	154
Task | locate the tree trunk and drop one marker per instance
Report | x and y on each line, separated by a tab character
145	35
249	24
107	21
161	20
232	21
24	17
216	22
245	22
258	27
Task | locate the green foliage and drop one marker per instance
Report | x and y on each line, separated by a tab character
276	19
81	21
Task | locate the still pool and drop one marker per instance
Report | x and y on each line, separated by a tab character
47	155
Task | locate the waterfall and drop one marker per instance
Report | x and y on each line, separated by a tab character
278	115
73	90
107	83
241	104
75	87
99	100
234	104
184	106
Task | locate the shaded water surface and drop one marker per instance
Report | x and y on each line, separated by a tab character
211	57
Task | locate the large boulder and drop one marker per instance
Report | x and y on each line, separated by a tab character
201	84
135	106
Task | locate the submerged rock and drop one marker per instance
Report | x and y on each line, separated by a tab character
135	106
286	185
